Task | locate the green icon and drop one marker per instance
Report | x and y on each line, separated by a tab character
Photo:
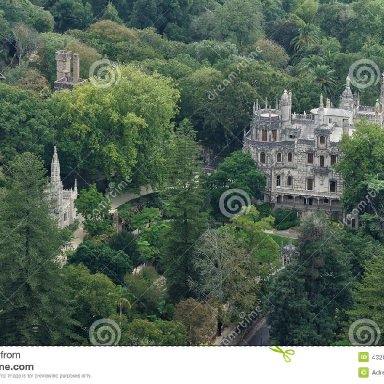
363	373
285	353
363	357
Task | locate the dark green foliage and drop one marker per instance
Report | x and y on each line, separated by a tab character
71	14
160	332
315	291
368	298
94	297
237	171
147	292
127	242
25	123
285	218
184	204
102	259
35	301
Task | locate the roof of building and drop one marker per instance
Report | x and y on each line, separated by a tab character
337	112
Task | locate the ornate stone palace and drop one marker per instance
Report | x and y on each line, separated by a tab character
297	152
62	200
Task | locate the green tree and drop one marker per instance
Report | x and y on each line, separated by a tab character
361	165
226	274
71	14
101	258
121	130
127	242
307	36
320	284
147	292
94	207
25	123
159	333
290	312
34	299
237	171
111	13
94	296
368	296
249	228
184	204
238	21
199	320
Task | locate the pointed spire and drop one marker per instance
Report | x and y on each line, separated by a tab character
328	103
266	103
321	101
348	82
75	187
55	167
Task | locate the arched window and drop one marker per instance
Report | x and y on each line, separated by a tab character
279	157
264	135
322	140
289	181
278	178
290	157
321	161
262	158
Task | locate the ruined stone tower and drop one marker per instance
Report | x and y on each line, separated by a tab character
67	70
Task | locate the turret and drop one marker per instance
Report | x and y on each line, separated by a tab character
321	111
382	94
285	108
56	187
346	99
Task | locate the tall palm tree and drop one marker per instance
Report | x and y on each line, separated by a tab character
324	75
307	36
309	63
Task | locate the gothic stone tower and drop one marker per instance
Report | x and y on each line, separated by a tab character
62	200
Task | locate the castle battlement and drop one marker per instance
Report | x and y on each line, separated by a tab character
298	152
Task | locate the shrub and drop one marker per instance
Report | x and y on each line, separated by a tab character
285	218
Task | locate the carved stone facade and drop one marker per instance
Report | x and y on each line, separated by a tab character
62	200
297	153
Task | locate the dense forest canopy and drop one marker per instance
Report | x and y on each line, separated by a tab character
165	92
